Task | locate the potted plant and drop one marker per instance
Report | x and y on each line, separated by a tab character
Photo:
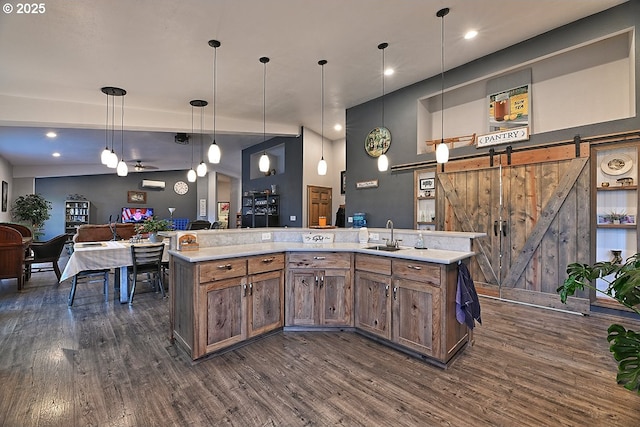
152	225
616	217
623	284
32	209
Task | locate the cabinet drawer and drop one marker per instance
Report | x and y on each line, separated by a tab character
374	264
319	260
263	263
419	271
222	269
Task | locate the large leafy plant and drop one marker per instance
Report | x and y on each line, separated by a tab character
623	284
32	209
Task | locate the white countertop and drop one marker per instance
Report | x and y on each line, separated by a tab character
220	252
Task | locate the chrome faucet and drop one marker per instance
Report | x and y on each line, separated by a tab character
391	242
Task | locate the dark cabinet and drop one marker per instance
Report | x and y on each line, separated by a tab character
261	210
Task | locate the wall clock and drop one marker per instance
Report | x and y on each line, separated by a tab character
377	141
180	187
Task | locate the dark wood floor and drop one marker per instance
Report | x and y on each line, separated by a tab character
107	364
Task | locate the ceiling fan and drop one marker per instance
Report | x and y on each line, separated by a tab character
139	167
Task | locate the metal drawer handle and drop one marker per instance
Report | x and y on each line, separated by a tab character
414	267
268	260
225	267
319	257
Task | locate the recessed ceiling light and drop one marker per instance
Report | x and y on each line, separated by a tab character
56	154
470	34
388	71
51	134
338	127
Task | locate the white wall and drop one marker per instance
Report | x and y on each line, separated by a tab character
312	152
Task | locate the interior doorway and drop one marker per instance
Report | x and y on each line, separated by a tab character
319	204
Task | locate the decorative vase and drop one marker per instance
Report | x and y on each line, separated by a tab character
153	237
617	257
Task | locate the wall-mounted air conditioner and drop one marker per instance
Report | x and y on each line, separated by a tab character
157	185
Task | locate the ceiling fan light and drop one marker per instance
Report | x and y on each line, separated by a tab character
112	162
263	163
383	163
122	168
104	156
192	175
201	170
322	167
442	153
214	153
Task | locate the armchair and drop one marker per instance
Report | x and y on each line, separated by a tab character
45	252
11	255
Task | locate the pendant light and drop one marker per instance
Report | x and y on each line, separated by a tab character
111	157
263	163
201	170
192	175
214	153
442	151
383	160
122	169
322	164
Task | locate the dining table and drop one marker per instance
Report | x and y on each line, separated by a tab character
106	255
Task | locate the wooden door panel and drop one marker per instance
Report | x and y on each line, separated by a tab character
373	303
318	204
300	298
223	316
265	302
416	316
337	297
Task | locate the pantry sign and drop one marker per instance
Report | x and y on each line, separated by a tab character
504	137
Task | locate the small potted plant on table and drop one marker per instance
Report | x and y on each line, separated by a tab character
151	226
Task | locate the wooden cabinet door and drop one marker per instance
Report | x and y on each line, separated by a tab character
266	296
373	303
302	305
336	298
416	316
221	315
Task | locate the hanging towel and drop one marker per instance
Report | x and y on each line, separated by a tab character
467	302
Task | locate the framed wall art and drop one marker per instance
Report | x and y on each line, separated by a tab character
427	183
5	195
136	197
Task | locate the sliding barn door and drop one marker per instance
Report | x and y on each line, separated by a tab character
534	208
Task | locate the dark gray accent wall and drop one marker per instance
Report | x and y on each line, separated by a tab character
289	183
393	198
108	195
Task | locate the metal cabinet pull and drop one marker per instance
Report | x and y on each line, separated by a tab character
386	291
395	292
268	260
316	280
504	228
244	290
250	288
495	228
414	267
321	281
225	267
320	258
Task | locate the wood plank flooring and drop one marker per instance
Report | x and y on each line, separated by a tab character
106	364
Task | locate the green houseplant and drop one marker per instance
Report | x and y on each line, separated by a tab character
152	225
623	284
32	209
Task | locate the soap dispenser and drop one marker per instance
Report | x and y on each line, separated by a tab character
420	242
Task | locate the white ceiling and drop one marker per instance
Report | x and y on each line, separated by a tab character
53	66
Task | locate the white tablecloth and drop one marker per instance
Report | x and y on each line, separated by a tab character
103	255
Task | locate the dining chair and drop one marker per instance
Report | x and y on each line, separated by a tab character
146	259
45	252
89	276
199	224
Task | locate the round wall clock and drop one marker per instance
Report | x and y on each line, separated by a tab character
181	187
377	141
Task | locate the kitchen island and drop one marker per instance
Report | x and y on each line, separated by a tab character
242	284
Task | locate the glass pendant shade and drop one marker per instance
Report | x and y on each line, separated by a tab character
104	156
112	162
263	163
322	167
383	163
122	169
214	153
201	170
442	153
192	175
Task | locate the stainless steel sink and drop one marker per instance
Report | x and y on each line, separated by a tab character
383	248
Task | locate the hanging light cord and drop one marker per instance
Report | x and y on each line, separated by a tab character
201	132
322	110
192	135
264	102
215	91
442	79
122	128
113	121
106	126
383	85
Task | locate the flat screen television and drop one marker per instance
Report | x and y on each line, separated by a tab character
136	214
